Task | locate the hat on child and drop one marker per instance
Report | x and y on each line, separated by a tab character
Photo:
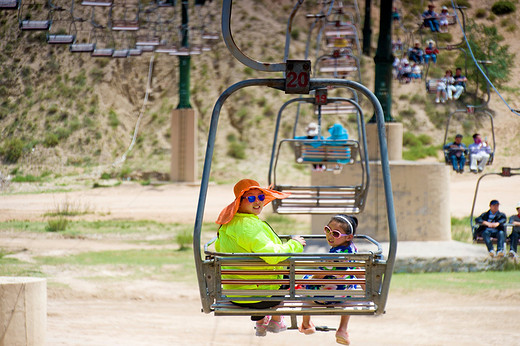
444	8
312	129
240	189
518	205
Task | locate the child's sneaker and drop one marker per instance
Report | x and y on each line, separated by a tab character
261	326
276	327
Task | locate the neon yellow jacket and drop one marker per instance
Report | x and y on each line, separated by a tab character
246	233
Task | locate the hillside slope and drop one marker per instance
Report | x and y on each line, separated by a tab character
69	113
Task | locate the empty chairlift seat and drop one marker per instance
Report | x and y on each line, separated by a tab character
340	65
35	25
337	108
9	4
102	3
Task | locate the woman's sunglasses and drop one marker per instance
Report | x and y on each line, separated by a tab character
335	233
251	199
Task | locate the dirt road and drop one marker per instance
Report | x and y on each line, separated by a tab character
148	312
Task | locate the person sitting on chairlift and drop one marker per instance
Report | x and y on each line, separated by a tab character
430	18
515	234
479	153
457	153
492	225
313	133
460	83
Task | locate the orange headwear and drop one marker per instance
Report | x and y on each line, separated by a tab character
242	187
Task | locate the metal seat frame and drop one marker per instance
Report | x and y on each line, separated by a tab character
316	199
210	265
471	111
506	172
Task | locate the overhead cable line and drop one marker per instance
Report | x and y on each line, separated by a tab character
516	111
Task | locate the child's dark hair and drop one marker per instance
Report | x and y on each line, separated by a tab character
349	223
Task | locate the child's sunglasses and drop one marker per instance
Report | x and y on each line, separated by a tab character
335	233
251	199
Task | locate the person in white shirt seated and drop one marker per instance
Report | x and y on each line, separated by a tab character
479	154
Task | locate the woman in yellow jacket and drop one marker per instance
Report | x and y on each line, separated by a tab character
241	231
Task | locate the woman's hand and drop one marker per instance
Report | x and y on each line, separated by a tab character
299	239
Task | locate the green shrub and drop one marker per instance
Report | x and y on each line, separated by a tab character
184	238
57	225
410	140
236	150
419	152
465	3
50	140
105	176
481	13
113	121
409	112
503	7
425	139
295	34
12	150
29	178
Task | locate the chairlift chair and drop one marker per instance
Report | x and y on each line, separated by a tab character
215	270
9	4
63	29
100	3
124	15
34	15
340	30
83	37
470	111
321	199
104	45
338	66
506	172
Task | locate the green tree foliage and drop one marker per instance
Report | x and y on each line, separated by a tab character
503	7
486	44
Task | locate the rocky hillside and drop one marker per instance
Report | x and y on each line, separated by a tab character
64	113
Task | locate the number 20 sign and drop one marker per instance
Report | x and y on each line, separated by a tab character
297	76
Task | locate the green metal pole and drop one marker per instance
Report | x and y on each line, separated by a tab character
384	60
184	62
367	30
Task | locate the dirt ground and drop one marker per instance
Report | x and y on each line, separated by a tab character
149	312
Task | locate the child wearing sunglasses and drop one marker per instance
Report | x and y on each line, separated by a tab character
339	233
241	231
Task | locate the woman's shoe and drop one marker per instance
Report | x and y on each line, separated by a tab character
309	330
261	326
276	327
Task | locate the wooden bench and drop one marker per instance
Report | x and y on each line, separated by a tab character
225	273
148	40
337	108
125	25
102	52
468	158
82	47
35	25
431	85
326	151
9	4
480	240
341	65
320	199
60	39
103	3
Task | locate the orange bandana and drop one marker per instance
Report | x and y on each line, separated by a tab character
242	187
